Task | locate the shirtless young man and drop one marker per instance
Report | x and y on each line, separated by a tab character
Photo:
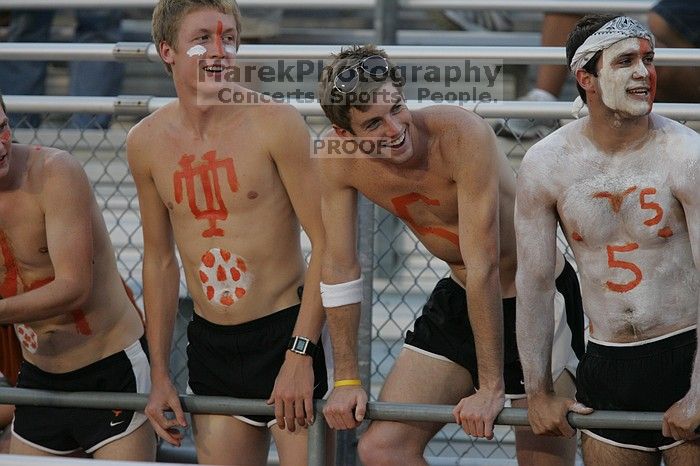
229	184
439	170
61	289
623	185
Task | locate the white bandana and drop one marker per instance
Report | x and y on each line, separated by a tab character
611	32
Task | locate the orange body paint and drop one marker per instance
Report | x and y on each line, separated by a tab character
224	276
5	135
81	324
208	174
401	204
10	282
219	38
650	205
665	232
576	236
615	199
614	263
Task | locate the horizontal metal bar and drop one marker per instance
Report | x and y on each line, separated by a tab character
139	51
375	410
626	6
505	109
149	4
578	6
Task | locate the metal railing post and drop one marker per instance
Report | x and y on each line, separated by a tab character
385	13
317	438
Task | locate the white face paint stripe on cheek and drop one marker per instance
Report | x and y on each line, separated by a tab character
196	51
230	50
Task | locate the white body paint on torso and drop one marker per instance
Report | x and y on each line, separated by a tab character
626	228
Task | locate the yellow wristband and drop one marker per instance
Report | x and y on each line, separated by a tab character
347	383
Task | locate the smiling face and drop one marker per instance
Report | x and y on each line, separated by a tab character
387	123
627	77
206	46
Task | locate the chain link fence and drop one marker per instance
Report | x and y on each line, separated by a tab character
404	271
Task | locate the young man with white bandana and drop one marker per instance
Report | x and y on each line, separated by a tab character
439	169
623	185
229	184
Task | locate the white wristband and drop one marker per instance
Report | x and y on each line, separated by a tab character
341	294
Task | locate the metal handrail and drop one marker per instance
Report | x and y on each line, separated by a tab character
147	104
627	6
317	444
149	4
146	51
375	410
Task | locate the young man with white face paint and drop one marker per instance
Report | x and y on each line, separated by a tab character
439	169
229	185
60	288
623	185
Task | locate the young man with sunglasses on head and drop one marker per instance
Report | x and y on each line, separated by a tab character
623	185
229	184
439	169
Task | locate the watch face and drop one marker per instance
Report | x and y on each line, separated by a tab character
300	345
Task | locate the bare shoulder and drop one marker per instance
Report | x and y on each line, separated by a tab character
52	171
452	121
681	142
150	128
461	135
50	162
554	149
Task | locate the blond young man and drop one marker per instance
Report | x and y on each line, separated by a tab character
438	169
60	288
229	185
623	185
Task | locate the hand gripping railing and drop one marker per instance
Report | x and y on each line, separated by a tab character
316	449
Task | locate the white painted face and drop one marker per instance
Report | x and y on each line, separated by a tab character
225	277
627	77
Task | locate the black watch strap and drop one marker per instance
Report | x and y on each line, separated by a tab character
302	345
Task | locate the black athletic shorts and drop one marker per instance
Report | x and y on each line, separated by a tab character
443	330
242	361
64	430
648	376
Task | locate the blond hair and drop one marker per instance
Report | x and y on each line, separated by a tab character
168	14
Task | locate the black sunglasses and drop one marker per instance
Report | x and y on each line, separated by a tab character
375	66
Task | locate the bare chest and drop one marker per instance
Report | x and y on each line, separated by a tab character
635	206
24	255
427	204
211	184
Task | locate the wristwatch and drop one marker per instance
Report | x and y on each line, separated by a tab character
302	345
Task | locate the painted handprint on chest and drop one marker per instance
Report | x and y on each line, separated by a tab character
200	182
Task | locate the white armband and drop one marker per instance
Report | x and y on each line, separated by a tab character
341	294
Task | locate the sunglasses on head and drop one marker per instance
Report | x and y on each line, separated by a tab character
375	66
